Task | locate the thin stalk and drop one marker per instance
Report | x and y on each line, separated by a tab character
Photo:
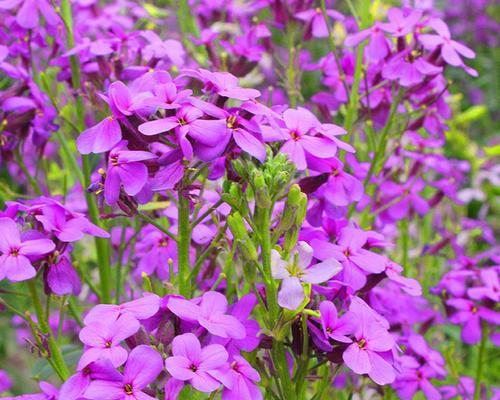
480	360
34	184
157	225
102	245
55	352
207	213
183	245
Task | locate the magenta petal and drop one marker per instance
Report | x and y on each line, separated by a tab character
27	16
321	272
9	234
159	126
357	359
381	371
208	132
184	309
17	268
187	346
203	382
105	390
167	177
36	247
112	186
133	176
100	138
450	55
144	364
212	357
179	367
247	142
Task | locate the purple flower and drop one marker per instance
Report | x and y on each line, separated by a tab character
334	327
108	133
15	262
491	288
28	15
143	366
349	250
223	83
210	313
293	273
413	378
75	386
241	311
62	279
140	309
451	50
316	25
340	188
192	363
5	382
244	379
469	315
364	355
410	286
409	70
67	228
400	25
101	137
125	168
300	125
378	46
103	339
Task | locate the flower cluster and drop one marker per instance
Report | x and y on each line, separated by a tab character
242	200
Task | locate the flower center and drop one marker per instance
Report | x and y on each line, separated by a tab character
108	344
182	121
163	242
295	136
114	160
231	121
128	389
362	343
193	368
474	310
14	252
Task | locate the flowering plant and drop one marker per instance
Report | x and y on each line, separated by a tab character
241	200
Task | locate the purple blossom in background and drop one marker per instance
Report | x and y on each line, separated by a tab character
451	50
349	251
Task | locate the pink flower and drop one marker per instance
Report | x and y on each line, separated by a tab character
15	261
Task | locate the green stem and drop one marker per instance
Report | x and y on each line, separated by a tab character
480	360
55	352
34	184
183	244
157	225
265	235
352	108
102	245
